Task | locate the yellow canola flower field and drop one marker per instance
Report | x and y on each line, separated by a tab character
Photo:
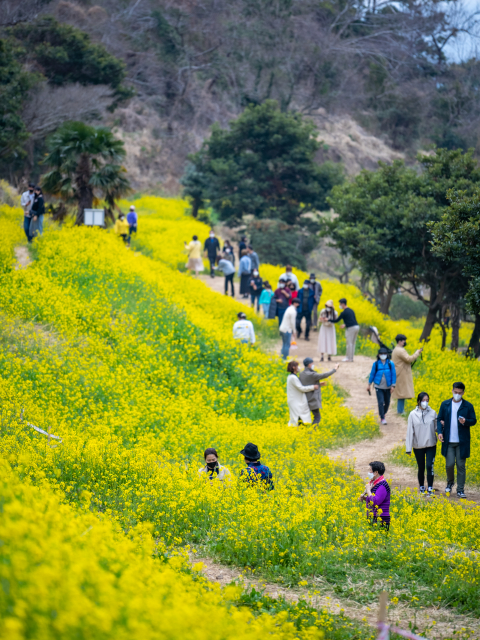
134	365
67	573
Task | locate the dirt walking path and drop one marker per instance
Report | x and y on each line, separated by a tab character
23	257
353	377
442	623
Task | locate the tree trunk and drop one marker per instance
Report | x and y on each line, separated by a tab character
84	189
473	350
455	320
387	298
430	322
195	207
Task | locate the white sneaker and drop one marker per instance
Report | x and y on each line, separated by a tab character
345	360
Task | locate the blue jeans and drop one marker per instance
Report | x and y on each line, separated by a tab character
280	314
40	225
266	308
26	227
286	339
400	405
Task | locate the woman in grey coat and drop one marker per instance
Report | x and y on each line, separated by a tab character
314	398
422	438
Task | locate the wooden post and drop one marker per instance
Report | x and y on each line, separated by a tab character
382	611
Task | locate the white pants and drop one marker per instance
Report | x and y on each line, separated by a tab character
351	334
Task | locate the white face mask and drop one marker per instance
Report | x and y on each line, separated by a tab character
457	396
424	404
306	286
212	235
370	475
383	357
282	286
255	273
312	280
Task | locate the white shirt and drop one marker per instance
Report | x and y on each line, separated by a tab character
243	330
288	321
291	277
454	422
26	200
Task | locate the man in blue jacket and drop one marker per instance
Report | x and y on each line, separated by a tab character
454	420
384	378
306	296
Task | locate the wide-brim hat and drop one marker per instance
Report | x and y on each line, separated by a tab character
250	451
329	303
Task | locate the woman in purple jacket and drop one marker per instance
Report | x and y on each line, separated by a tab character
377	495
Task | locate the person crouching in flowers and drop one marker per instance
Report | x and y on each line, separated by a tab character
377	495
213	470
255	473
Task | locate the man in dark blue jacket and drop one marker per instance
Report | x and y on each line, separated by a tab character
306	295
454	420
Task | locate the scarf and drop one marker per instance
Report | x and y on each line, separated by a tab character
374	481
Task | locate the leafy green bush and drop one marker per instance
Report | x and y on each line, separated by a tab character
403	308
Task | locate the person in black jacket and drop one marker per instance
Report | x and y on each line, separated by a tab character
256	288
37	212
454	420
351	328
211	248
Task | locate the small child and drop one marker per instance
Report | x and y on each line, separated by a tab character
265	298
122	228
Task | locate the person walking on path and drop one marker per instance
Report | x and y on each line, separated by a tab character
317	293
306	297
132	220
297	396
287	327
327	337
383	377
194	251
255	473
121	228
228	252
213	470
422	438
26	202
243	329
403	366
36	213
211	248
455	418
351	328
228	270
256	288
242	245
289	276
244	272
314	398
283	298
254	259
265	298
377	495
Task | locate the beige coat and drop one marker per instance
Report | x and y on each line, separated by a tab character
403	367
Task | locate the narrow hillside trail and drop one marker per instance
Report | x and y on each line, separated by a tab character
22	256
441	622
353	377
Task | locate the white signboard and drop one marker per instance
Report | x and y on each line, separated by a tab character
94	217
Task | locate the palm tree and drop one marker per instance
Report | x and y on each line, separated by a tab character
85	166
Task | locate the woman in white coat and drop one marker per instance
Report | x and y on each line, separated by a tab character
296	398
